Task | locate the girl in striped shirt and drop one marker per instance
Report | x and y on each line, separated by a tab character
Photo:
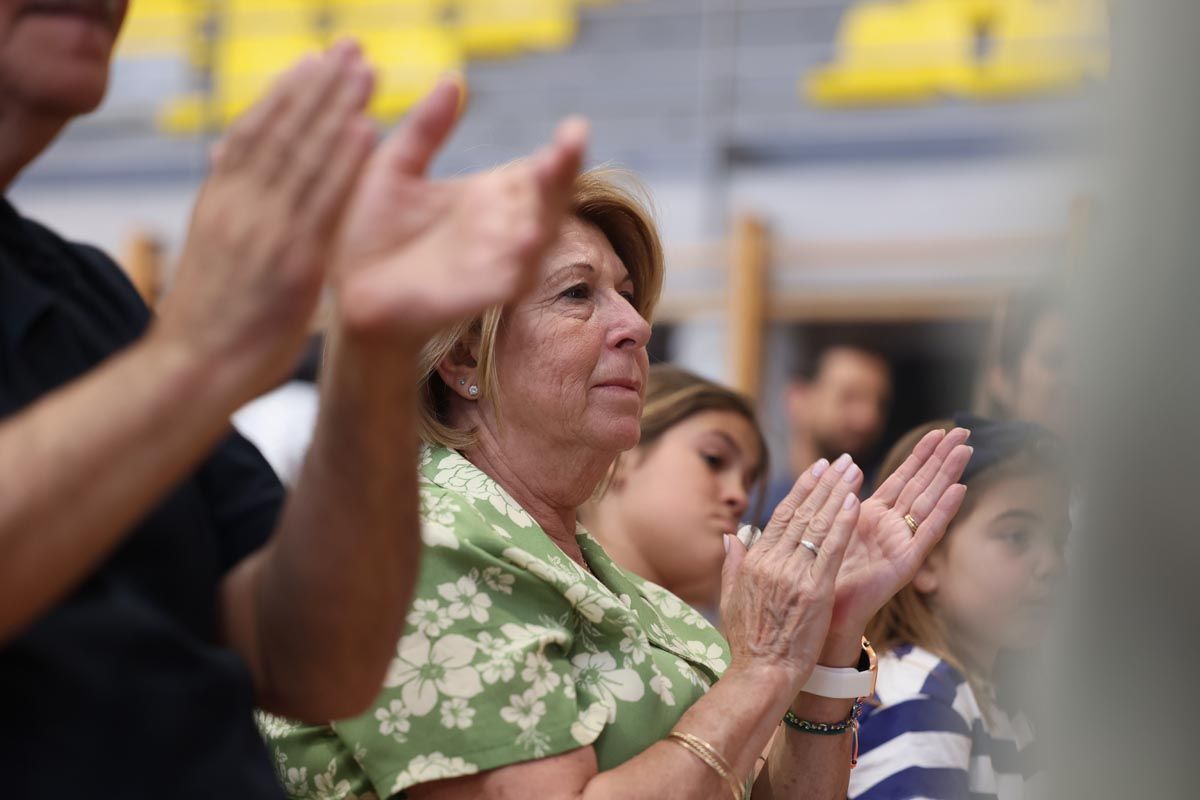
936	727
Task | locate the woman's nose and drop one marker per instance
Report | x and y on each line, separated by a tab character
628	329
735	497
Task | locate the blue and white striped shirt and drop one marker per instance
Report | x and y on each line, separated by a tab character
928	738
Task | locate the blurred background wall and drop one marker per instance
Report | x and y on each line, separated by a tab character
892	168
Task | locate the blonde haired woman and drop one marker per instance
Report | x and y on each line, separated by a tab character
532	664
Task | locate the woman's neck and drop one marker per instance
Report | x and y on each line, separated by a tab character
603	520
549	482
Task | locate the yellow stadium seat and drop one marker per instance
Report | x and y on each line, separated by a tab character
1044	46
243	68
895	52
361	17
508	27
408	62
913	51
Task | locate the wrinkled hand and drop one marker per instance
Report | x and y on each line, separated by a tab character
777	599
256	250
884	553
415	255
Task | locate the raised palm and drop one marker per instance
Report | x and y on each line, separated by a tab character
415	254
884	553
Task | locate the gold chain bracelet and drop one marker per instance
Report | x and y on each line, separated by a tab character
708	754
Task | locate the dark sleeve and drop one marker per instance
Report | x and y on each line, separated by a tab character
244	496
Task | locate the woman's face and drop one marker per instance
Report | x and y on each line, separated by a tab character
995	578
571	357
677	497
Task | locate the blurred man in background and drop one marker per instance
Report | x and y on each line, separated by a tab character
838	403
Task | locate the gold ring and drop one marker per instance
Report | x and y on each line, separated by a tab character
912	523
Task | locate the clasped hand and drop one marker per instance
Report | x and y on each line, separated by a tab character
787	608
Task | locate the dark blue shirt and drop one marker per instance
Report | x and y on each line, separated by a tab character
123	689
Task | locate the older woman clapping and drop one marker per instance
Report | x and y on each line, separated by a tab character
531	663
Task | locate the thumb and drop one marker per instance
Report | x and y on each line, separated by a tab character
735	554
410	149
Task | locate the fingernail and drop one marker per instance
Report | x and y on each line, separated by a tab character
842	462
819	468
725	537
849	502
852	474
972	449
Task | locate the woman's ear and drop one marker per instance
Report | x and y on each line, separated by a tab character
459	369
929	574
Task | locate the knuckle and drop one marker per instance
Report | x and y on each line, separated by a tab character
821	523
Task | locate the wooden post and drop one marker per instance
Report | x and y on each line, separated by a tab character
747	304
142	261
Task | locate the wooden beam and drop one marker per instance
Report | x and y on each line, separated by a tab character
747	304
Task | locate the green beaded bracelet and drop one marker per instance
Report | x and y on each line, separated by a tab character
848	725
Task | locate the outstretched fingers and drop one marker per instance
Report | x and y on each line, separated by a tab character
412	147
947	475
889	491
928	472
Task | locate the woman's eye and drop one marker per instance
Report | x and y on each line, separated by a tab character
579	291
629	297
714	461
1018	540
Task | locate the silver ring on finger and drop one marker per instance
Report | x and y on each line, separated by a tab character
816	549
912	523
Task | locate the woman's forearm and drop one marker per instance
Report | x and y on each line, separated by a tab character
736	717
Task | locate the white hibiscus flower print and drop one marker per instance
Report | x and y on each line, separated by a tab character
712	654
661	685
591	722
457	713
460	475
274	727
498	668
498	580
429	617
530	636
438	514
393	721
465	598
539	674
524	711
597	675
324	787
423	671
434	534
432	767
590	604
694	676
634	645
535	566
294	779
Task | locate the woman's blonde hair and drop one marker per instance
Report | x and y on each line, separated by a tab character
616	203
674	394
